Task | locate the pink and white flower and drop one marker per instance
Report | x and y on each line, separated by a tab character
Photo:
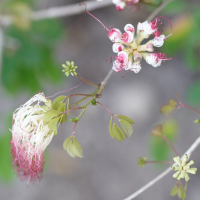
136	67
114	34
158	41
155	59
117	47
30	137
121	61
129	28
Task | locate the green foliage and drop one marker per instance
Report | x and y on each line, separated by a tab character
5	161
158	131
159	149
193	94
73	148
30	61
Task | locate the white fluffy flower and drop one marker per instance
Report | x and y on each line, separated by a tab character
30	137
153	59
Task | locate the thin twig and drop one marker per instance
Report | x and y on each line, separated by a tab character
188	152
68	10
104	82
157	10
63	11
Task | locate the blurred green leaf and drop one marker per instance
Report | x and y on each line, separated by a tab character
175	7
6	171
159	149
30	62
168	108
193	94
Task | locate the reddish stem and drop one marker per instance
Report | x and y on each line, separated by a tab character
105	108
161	162
185	106
74	129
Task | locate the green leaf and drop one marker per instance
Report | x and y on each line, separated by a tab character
193	94
126	118
6	171
126	127
49	115
110	128
57	102
158	131
174	190
168	108
117	133
53	124
72	146
62	117
197	121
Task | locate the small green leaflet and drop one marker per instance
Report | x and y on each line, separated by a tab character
73	148
126	118
49	115
126	127
168	108
117	133
53	124
57	102
110	128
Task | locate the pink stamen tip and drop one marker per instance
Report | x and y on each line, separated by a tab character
84	4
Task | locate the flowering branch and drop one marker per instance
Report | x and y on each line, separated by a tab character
188	152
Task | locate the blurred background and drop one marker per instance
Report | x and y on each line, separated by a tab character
33	52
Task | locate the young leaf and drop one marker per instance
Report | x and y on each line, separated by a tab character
168	108
56	102
62	117
126	118
158	131
117	133
76	148
197	121
48	103
49	115
53	124
110	128
73	148
126	127
174	190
